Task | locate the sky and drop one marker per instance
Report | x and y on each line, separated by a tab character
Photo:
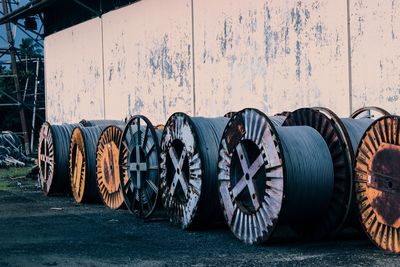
19	35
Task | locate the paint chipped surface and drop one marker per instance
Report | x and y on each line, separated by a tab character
148	60
375	32
74	74
270	55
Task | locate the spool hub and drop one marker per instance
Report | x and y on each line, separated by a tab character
139	166
377	183
251	176
108	172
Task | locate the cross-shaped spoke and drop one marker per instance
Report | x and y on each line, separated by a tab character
137	166
179	176
248	175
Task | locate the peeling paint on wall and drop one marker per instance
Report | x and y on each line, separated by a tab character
74	79
272	55
276	54
375	26
149	66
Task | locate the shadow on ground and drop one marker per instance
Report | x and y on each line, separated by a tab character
54	231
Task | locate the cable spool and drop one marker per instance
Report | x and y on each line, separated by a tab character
107	167
189	158
82	163
53	158
139	160
377	183
336	137
270	175
350	132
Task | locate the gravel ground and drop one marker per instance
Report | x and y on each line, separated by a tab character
54	231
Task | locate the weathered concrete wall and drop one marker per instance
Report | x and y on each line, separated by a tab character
375	53
272	55
74	73
148	59
208	57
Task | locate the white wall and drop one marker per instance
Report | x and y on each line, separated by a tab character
272	55
74	73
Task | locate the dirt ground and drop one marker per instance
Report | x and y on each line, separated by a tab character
54	231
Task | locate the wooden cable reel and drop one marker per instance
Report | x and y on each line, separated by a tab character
82	162
271	175
107	167
53	158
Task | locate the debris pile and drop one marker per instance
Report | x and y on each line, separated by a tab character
11	151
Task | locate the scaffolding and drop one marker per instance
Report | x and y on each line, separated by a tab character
26	71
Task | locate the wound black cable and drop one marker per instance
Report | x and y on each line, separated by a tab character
209	132
309	174
356	129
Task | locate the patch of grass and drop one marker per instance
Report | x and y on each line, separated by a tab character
4	185
15	172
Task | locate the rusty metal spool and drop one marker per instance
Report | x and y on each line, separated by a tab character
107	166
377	183
139	159
189	158
270	175
53	158
82	163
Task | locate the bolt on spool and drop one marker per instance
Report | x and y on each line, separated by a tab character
189	158
377	183
270	175
82	164
53	158
107	167
139	159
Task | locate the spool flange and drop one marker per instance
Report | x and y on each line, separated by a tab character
139	166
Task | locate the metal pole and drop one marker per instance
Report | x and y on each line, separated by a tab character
10	39
34	104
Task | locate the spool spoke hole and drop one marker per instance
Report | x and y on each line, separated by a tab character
247	176
178	171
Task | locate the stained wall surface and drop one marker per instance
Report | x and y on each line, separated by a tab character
375	53
208	57
148	59
272	55
74	73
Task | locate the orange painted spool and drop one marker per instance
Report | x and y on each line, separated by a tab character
82	164
107	167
